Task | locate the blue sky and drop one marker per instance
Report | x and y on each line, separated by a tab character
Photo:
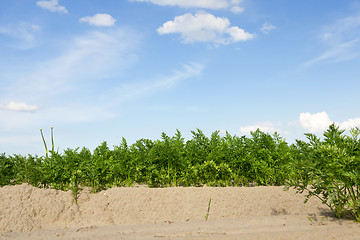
102	70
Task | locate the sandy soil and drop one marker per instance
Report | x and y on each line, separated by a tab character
167	213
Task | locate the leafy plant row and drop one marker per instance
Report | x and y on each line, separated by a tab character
170	161
328	169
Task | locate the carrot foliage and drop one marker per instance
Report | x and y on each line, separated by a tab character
327	168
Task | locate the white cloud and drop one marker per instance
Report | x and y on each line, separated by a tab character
351	123
314	123
204	27
52	5
238	34
267	27
263	126
19	106
320	122
100	20
237	9
209	4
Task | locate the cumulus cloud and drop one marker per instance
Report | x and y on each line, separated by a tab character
314	123
19	106
319	122
204	27
267	27
350	123
263	126
238	34
209	4
99	20
52	5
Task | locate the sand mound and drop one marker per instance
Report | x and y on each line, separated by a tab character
31	213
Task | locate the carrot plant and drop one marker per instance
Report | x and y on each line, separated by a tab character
329	170
7	170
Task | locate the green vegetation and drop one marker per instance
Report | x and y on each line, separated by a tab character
328	169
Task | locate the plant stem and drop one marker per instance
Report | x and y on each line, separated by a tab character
52	139
208	210
42	135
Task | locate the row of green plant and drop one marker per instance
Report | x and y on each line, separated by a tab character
170	161
327	168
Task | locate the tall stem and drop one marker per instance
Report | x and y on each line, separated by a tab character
52	139
42	135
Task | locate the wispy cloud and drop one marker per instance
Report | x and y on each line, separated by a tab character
99	20
23	35
19	106
237	9
208	4
204	27
67	87
87	57
140	89
52	5
267	28
337	53
341	41
342	29
91	110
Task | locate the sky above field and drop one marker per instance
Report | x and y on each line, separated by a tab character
102	70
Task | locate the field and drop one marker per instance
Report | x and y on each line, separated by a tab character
265	212
204	188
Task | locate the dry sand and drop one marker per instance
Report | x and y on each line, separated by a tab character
167	213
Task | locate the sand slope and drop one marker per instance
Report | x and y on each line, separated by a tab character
167	213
